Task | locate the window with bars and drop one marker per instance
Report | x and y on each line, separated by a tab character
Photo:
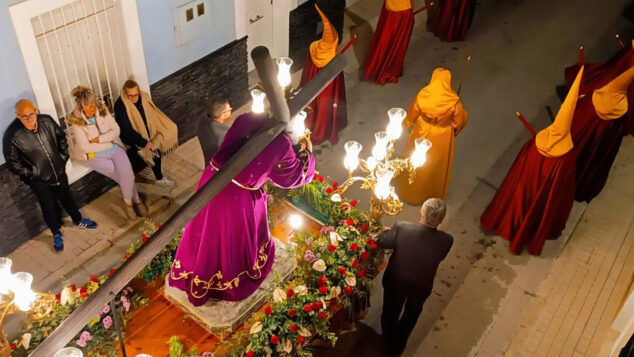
82	43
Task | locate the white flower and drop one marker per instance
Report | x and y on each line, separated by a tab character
335	238
288	346
319	265
279	295
268	351
300	290
335	197
67	296
257	327
26	340
334	292
304	332
351	280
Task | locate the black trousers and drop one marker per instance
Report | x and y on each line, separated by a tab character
398	298
49	197
138	164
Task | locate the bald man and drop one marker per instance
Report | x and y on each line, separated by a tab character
36	150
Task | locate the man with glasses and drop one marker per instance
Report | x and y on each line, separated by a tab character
36	150
212	130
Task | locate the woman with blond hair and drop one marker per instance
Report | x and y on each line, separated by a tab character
96	144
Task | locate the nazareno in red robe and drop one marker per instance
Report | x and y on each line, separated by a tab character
384	60
452	19
327	115
534	201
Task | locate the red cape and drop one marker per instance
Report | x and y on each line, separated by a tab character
452	19
384	61
596	142
534	201
328	114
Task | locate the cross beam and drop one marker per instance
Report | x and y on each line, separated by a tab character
282	112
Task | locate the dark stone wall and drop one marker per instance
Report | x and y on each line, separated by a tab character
182	96
305	26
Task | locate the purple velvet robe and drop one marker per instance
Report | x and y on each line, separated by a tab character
226	251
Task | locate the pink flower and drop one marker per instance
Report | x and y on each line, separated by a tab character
126	306
105	310
81	343
123	298
309	256
85	336
326	229
107	322
309	241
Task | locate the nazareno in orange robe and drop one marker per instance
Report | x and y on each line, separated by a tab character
438	115
384	61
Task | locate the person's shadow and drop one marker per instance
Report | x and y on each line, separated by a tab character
362	341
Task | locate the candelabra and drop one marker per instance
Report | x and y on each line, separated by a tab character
380	168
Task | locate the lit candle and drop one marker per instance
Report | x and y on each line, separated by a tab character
351	161
295	221
420	152
5	275
69	352
21	287
382	188
371	163
284	71
380	148
395	128
258	101
299	126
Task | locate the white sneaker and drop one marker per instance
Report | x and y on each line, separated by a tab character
165	182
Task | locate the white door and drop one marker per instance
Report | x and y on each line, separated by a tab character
259	25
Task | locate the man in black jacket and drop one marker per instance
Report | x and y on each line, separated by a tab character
36	150
418	249
212	130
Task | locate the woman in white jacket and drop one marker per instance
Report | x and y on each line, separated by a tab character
96	144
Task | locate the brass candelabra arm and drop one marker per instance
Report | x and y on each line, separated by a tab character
42	306
366	183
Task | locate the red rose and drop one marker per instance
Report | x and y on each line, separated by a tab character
328	190
373	245
83	289
249	354
289	293
345	206
320	178
83	295
369	241
322	315
323	289
301	340
354	263
13	346
159	225
354	247
348	290
58	297
364	227
341	270
73	287
308	308
335	185
93	278
365	256
332	248
322	280
275	340
268	311
361	273
126	256
317	306
292	312
293	328
144	238
353	203
111	272
349	222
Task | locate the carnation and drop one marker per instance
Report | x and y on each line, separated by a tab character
107	322
309	256
85	336
354	247
268	311
81	343
275	340
365	256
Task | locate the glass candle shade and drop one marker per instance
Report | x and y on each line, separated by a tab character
299	126
371	163
382	188
21	287
351	161
258	101
395	127
380	148
69	352
5	275
284	71
419	156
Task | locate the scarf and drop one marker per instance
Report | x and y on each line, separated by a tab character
163	132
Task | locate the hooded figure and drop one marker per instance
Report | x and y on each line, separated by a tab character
327	113
535	199
452	19
597	132
437	115
384	60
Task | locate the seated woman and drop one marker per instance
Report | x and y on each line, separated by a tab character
95	143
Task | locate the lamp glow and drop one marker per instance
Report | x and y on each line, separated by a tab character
143	355
371	163
299	126
69	352
21	287
382	189
296	221
395	127
351	161
419	156
5	275
380	148
258	101
284	71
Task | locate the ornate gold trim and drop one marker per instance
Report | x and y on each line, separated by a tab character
234	181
